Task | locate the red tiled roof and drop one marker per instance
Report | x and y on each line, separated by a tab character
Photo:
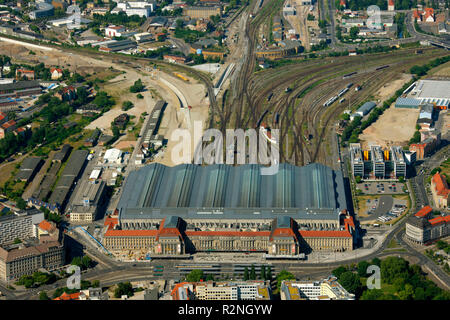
441	185
174	292
439	220
45	225
325	233
55	69
8	124
424	211
71	296
282	232
25	71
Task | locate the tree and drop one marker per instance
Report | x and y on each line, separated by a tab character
137	86
358	179
376	261
339	271
393	268
269	273
354	32
284	275
209	277
263	273
21	204
362	268
43	296
246	275
123	288
195	275
252	273
350	281
127	105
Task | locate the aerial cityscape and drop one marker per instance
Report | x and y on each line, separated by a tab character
224	150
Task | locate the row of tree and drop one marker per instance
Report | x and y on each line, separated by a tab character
399	281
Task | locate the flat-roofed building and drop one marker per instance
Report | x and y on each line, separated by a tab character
242	290
46	251
19	225
436	92
28	169
202	12
424	230
326	289
88	200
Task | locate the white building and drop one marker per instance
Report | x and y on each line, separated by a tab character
113	156
114	31
140	8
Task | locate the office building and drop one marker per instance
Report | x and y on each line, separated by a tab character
326	289
440	191
87	202
46	251
19	225
377	163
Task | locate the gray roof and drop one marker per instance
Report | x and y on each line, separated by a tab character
68	176
192	191
20	85
63	153
366	107
28	168
407	102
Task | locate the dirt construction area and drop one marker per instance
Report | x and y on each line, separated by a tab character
119	79
394	127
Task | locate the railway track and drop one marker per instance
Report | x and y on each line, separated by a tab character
321	84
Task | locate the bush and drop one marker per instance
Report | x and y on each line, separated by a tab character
137	86
127	105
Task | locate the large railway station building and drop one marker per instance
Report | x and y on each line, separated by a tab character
190	208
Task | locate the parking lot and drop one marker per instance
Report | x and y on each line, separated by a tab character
384	209
376	187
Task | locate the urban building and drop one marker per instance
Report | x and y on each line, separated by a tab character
44	9
114	31
423	230
435	92
7	127
20	89
24	73
440	191
117	46
66	181
140	8
46	251
366	108
202	12
87	202
56	73
248	290
429	143
327	289
377	163
28	169
19	225
152	127
285	48
228	209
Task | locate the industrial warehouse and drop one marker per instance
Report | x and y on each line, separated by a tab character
227	208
